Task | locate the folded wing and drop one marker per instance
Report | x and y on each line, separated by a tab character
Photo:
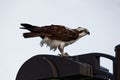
55	32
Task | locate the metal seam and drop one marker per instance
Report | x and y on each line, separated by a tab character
52	67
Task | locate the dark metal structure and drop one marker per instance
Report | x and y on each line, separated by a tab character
81	67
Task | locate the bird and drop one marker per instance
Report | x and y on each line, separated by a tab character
55	36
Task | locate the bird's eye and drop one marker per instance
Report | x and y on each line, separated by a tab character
81	31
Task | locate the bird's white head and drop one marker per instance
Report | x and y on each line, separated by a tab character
82	31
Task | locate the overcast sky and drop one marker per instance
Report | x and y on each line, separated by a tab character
100	17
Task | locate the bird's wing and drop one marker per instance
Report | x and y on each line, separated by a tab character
55	32
58	32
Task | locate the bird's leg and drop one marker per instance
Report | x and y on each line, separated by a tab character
61	49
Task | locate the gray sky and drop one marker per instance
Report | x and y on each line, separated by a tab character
100	17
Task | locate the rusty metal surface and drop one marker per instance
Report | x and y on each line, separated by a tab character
35	68
84	67
67	66
49	66
94	60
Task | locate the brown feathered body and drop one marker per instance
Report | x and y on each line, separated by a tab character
55	36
